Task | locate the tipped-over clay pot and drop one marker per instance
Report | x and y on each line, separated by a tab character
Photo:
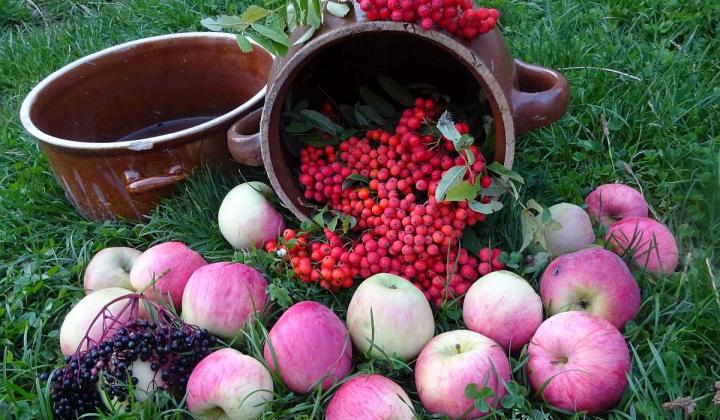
352	51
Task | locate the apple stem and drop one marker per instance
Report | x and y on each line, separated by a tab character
457	348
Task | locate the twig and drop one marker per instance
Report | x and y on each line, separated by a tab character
604	69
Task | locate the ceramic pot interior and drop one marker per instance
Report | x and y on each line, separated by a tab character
340	68
150	89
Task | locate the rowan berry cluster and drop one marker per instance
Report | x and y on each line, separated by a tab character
458	17
402	228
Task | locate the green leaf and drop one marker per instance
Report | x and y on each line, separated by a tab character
360	117
320	121
291	17
462	191
451	177
244	43
296	127
267	43
347	133
501	170
348	223
309	32
447	127
465	141
224	22
332	224
266	31
320	142
488	208
471	241
379	104
348	114
508	401
314	13
337	9
530	228
481	405
371	115
470	157
253	13
472	392
397	92
538	262
353	179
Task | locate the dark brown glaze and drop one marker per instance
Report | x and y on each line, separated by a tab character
98	101
520	96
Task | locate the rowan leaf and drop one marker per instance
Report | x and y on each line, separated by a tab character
451	177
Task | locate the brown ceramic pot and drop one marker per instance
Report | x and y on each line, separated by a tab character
123	126
352	51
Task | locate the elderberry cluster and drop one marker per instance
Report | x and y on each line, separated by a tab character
458	17
173	349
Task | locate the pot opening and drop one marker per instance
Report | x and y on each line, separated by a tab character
152	88
335	73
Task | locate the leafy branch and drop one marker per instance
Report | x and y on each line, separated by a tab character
272	28
461	183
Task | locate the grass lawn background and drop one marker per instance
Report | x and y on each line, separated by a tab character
653	122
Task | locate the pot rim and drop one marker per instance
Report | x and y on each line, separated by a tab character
139	144
498	100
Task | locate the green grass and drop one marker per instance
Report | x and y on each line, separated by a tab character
645	77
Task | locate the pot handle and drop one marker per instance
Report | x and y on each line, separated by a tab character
136	185
243	139
540	97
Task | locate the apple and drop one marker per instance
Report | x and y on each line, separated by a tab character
163	270
228	385
370	397
222	297
576	231
453	360
393	314
593	280
110	268
85	317
504	307
246	218
612	202
649	242
579	361
309	346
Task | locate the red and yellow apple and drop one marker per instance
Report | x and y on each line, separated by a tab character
370	397
593	280
110	267
453	360
86	318
223	296
309	346
504	307
392	314
609	203
579	361
650	244
163	270
228	385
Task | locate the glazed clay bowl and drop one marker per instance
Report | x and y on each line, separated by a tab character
123	126
350	52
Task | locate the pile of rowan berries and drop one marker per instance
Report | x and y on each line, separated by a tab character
402	229
458	17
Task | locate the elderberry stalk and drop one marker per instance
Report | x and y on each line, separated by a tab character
133	353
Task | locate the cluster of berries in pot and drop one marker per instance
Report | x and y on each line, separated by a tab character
172	348
402	228
458	17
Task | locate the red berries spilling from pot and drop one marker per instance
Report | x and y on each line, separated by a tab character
458	17
386	182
